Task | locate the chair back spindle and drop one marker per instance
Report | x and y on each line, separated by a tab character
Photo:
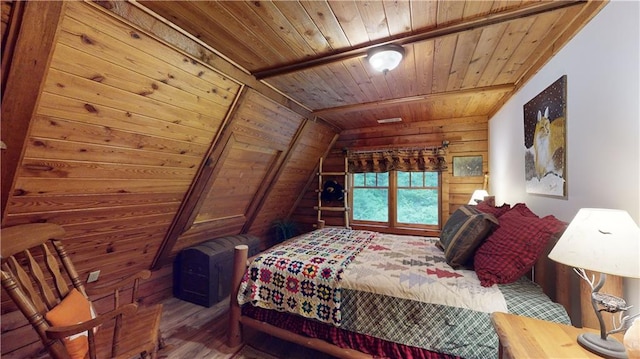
37	274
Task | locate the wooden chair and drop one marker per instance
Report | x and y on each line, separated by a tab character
36	273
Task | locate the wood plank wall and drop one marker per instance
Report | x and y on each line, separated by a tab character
466	136
311	145
121	127
7	40
247	159
5	12
8	32
130	116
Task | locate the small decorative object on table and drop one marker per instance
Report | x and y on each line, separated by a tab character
605	241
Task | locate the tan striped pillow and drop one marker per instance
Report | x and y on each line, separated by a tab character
463	233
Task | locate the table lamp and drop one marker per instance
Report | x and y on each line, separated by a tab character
605	241
478	196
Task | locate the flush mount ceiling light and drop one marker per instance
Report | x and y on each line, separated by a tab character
390	120
385	58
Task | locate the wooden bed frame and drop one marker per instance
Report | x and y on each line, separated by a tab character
554	278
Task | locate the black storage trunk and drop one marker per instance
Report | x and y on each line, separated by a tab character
202	273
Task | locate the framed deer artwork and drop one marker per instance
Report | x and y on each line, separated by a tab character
545	118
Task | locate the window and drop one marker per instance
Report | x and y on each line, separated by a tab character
396	199
418	201
371	197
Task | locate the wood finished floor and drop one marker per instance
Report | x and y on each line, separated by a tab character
194	331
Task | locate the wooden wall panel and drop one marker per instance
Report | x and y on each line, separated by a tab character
243	169
312	143
10	14
466	136
121	126
5	12
194	47
305	214
245	161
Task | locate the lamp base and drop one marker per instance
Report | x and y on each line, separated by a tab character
609	348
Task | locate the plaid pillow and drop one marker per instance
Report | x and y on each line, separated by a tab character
495	211
524	210
512	249
463	233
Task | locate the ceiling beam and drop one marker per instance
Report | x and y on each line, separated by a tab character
403	39
377	105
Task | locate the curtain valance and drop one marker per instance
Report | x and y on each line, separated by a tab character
425	159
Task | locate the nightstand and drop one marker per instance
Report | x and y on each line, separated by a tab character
524	337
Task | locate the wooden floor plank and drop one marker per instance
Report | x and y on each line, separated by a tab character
194	331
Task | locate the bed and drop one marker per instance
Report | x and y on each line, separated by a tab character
362	294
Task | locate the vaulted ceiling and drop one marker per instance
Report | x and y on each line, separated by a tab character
462	58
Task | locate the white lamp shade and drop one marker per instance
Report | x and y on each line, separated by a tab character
478	196
601	240
385	58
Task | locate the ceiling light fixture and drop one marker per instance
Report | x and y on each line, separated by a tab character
385	58
390	120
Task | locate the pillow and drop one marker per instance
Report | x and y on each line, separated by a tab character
495	211
524	210
463	233
513	248
73	309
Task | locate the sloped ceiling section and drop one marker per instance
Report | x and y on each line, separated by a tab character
144	142
462	58
245	160
311	143
121	128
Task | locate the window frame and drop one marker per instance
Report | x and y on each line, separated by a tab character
392	225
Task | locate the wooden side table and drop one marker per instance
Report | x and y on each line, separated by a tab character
524	337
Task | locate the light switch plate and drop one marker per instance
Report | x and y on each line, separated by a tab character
93	276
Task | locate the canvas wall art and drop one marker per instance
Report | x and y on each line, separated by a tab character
467	166
545	118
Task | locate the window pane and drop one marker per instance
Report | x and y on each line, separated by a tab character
418	206
358	179
403	179
383	179
431	179
370	180
416	179
371	204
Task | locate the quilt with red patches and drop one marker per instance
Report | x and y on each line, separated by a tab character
414	268
303	276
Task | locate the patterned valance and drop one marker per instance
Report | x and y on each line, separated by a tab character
425	159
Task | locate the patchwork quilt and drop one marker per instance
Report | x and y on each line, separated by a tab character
411	267
303	276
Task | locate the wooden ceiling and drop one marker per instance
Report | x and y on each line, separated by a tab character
462	58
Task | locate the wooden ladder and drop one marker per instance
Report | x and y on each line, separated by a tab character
345	190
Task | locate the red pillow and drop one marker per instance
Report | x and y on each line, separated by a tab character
513	248
524	210
495	211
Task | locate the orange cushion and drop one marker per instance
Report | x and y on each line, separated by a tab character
73	309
